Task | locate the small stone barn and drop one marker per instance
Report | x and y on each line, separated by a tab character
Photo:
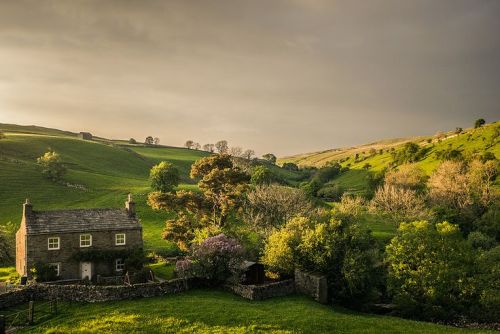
85	135
71	241
253	273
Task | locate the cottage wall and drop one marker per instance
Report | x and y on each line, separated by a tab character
70	244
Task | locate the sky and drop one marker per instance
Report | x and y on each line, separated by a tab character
279	76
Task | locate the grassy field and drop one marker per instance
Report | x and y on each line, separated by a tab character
202	311
355	181
99	175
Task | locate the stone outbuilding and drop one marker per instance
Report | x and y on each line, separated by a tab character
77	243
85	135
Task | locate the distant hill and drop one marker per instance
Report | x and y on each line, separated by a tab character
376	156
101	172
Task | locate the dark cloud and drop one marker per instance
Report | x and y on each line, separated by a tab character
284	75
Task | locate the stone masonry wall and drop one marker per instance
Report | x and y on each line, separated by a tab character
263	291
313	285
92	293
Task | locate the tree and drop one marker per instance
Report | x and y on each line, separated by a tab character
262	175
410	152
367	166
235	151
149	140
248	154
156	141
479	123
6	245
188	144
221	146
290	166
270	157
270	206
164	177
407	176
459	130
209	147
2	135
222	184
51	165
196	146
132	141
430	268
401	204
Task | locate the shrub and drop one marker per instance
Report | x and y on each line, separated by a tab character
52	166
290	166
42	272
341	250
2	135
331	192
429	270
217	259
408	176
262	175
164	177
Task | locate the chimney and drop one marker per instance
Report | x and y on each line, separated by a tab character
27	210
130	206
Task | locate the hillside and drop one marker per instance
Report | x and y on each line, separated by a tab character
374	157
100	174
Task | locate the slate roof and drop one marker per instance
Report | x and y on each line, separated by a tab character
79	220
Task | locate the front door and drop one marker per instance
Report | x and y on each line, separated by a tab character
86	270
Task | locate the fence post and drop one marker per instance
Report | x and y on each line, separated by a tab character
2	324
31	312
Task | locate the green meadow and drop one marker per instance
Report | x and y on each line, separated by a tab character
203	311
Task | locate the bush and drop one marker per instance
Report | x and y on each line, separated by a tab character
331	192
263	175
341	250
216	259
42	272
164	177
430	270
52	166
399	203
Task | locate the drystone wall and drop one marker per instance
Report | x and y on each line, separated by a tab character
313	285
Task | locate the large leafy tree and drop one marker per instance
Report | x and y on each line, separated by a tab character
164	177
222	186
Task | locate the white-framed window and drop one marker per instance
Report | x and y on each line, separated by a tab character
119	264
120	239
54	243
85	240
56	267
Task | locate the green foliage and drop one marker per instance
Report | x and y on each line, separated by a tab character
342	250
43	272
479	123
270	157
262	175
290	166
6	244
134	258
164	177
52	166
430	270
331	192
410	152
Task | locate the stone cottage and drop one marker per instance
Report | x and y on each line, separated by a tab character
71	241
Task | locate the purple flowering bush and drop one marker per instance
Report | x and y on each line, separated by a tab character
216	259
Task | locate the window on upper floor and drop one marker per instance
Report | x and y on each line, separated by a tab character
85	240
120	239
54	243
119	264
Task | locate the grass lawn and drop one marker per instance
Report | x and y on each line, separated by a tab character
203	311
163	270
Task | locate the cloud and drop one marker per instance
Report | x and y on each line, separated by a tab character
279	76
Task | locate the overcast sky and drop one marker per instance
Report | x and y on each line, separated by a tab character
281	76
